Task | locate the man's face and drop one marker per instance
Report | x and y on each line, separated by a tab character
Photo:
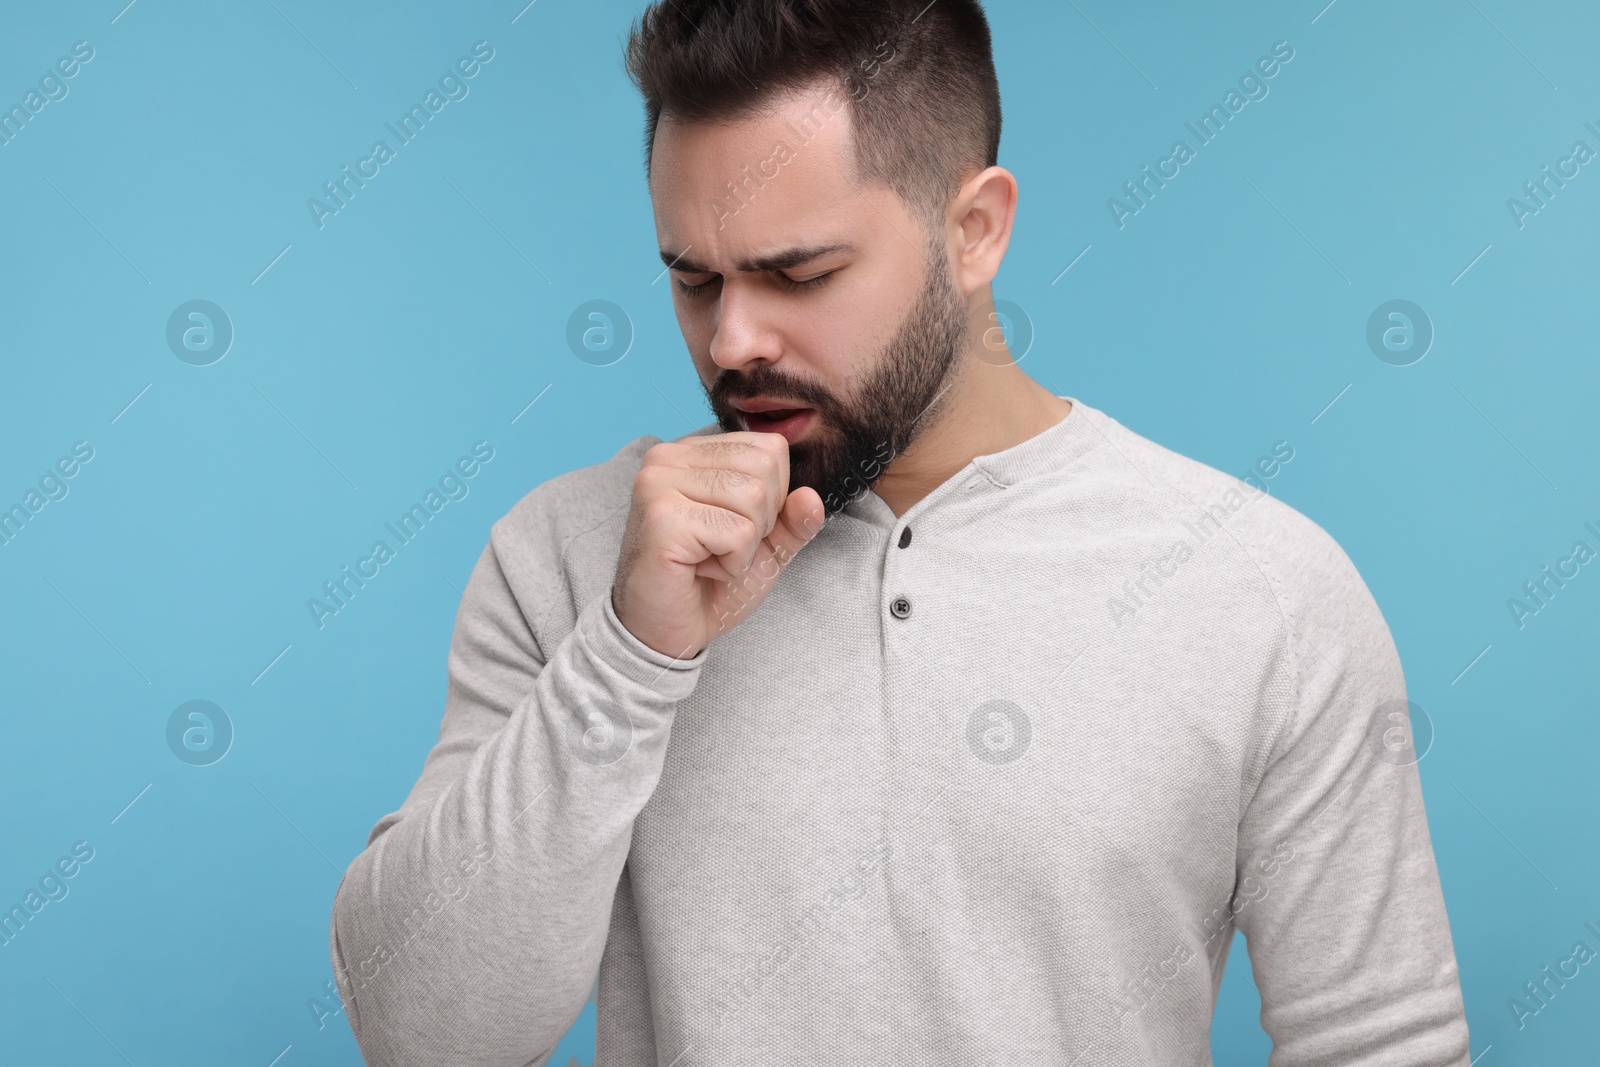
790	283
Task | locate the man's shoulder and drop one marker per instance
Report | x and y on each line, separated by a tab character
1272	540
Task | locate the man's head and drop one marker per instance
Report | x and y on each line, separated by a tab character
825	190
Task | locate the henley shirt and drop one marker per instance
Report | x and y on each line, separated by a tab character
989	783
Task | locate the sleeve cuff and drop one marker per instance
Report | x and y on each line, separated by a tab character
615	645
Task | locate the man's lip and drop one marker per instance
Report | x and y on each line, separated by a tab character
762	403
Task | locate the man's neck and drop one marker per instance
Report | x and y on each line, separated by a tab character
989	409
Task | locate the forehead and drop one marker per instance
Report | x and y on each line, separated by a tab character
781	173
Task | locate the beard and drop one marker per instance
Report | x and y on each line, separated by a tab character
854	440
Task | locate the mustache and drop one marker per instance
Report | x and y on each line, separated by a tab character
724	391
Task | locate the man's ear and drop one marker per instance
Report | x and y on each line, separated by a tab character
980	222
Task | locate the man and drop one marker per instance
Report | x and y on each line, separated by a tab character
943	720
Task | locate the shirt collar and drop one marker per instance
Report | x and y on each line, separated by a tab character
1049	450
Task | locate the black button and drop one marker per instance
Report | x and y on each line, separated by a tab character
900	607
905	537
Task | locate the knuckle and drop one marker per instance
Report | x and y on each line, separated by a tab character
732	480
656	512
723	450
769	460
738	525
751	492
719	518
643	490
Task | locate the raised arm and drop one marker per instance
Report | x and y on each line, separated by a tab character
471	927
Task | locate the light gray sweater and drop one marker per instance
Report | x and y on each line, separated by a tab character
994	791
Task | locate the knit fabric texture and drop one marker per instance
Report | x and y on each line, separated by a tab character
996	794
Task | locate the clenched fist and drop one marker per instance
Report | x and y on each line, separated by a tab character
711	528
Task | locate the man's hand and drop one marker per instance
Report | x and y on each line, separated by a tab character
710	530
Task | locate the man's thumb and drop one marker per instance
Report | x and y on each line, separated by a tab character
800	520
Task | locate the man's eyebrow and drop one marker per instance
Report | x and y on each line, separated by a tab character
782	259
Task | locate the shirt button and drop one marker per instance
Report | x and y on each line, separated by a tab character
900	607
905	537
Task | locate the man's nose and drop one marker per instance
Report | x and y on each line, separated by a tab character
745	328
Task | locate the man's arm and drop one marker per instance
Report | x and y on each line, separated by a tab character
471	927
1338	894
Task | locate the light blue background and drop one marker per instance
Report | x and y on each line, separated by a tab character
427	314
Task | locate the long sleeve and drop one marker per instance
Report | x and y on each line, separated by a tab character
470	928
1337	891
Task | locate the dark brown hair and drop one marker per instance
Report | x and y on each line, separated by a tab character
919	77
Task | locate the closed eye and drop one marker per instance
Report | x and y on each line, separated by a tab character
789	283
694	290
783	280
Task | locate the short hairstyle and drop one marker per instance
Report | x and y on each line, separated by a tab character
923	97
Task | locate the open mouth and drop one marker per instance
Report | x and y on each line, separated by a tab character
755	418
790	422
